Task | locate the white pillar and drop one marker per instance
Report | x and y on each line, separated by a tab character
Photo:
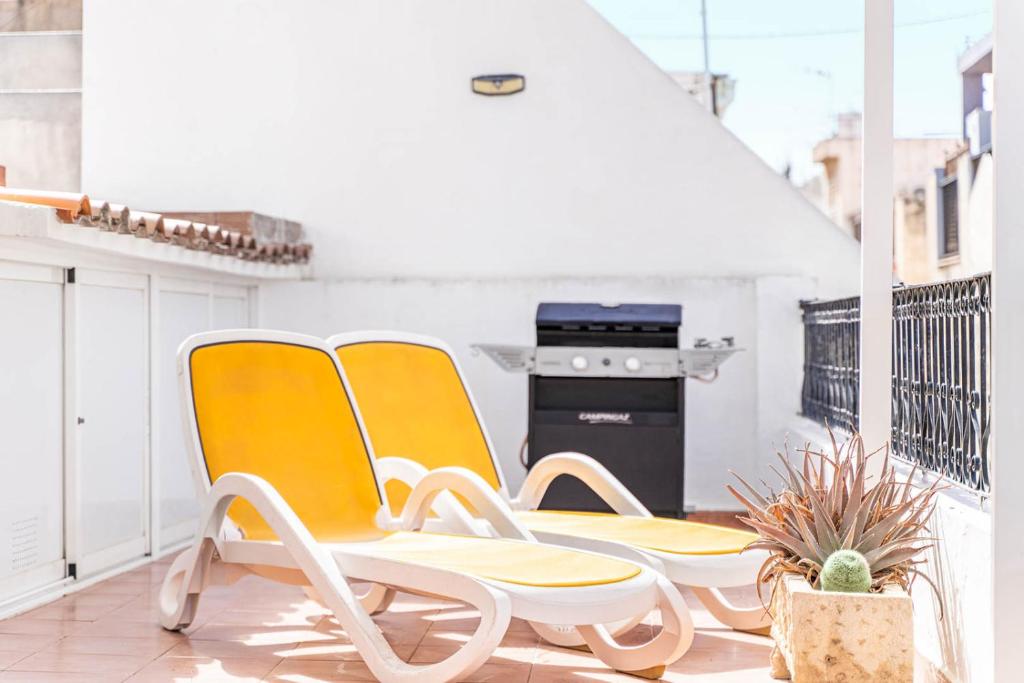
876	228
1007	335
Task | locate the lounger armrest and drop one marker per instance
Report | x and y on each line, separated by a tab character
452	513
405	470
275	511
470	486
586	469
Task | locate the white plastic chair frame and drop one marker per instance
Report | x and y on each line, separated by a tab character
705	575
219	555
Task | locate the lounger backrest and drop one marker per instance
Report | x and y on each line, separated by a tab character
280	411
415	405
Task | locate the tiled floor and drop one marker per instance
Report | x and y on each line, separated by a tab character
257	630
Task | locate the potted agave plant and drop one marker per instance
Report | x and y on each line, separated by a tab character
844	552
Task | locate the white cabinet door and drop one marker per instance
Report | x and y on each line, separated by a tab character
112	399
230	308
31	431
184	308
181	313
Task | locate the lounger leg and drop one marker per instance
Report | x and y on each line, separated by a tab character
185	580
375	600
755	619
650	659
568	636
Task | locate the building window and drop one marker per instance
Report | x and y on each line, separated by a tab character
949	217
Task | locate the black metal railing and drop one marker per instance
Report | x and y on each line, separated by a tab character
941	373
831	361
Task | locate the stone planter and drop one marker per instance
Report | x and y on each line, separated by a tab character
845	637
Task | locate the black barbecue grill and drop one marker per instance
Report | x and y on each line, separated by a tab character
609	381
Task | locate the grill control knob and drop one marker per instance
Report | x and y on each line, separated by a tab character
633	364
579	363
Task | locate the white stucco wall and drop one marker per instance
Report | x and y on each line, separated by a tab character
436	210
357	119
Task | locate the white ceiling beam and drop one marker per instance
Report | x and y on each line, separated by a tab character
1007	335
875	398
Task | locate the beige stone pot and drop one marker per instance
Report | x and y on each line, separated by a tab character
846	637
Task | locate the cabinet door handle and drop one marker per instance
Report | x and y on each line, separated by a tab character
81	420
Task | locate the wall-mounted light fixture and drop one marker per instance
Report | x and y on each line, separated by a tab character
498	84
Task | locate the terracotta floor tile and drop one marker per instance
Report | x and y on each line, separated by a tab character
310	671
216	649
56	677
220	670
269	617
71	612
503	672
149	614
24	625
259	635
592	671
151	647
27	643
121	585
117	628
504	655
88	599
76	662
8	658
337	650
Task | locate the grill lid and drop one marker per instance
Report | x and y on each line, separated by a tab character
636	315
623	325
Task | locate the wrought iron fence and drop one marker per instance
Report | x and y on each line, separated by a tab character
941	373
831	361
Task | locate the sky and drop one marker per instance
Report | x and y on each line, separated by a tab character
799	62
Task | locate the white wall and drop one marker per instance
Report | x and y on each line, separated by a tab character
436	210
357	119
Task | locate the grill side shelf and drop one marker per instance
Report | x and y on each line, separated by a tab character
703	361
509	357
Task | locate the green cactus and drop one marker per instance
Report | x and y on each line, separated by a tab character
846	571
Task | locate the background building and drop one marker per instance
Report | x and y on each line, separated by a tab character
723	89
942	204
958	238
840	157
41	93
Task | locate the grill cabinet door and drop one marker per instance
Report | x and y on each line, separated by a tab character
634	427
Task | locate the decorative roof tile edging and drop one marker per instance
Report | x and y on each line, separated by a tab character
78	210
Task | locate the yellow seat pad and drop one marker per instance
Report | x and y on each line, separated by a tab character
665	535
526	564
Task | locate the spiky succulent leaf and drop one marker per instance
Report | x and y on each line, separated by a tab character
829	503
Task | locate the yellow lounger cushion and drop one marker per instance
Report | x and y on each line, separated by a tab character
527	564
664	535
